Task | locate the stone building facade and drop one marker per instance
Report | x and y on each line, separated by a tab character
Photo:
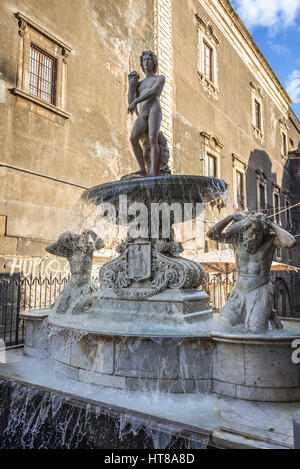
225	113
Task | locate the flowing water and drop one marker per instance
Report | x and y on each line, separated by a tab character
43	419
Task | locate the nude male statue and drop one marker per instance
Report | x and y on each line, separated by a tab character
254	239
146	92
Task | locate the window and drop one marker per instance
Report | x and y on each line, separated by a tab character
276	208
261	197
257	115
212	166
290	255
261	190
41	75
239	182
283	126
276	214
211	154
257	111
284	144
207	58
240	189
288	217
278	253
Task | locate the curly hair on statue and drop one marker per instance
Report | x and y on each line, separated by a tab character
154	58
259	219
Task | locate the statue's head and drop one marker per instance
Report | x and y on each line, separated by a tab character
255	230
148	59
69	243
64	244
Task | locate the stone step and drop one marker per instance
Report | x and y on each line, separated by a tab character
227	440
253	433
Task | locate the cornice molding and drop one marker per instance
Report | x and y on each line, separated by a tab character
207	28
239	159
284	125
256	89
276	187
211	141
24	22
261	175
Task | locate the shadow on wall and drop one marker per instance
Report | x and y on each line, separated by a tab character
259	161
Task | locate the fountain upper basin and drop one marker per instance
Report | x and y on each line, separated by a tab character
172	189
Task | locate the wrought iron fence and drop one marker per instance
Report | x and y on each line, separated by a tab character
28	293
219	287
22	294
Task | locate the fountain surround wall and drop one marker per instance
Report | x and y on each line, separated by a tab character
244	366
252	367
35	417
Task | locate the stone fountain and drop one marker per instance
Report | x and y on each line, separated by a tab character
147	325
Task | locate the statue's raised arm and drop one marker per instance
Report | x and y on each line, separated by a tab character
133	82
216	233
282	238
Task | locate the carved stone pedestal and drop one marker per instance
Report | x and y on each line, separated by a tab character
172	306
150	265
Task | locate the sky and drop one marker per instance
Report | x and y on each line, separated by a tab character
275	27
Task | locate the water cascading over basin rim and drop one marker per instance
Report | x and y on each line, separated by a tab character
171	188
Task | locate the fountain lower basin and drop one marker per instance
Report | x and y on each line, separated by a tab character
256	367
184	358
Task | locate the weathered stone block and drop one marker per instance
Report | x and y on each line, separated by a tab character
228	363
66	370
93	354
204	385
35	352
227	389
251	393
102	379
37	335
31	247
8	245
29	333
60	349
2	225
270	366
195	359
163	385
147	358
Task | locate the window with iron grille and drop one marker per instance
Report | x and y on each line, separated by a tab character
42	70
42	75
